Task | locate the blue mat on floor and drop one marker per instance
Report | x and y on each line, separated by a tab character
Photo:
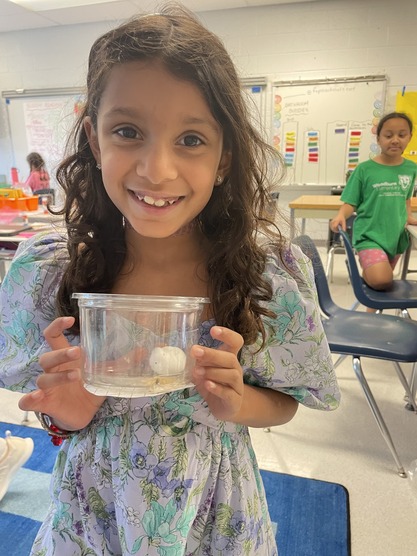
311	517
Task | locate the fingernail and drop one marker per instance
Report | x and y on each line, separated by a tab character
73	351
217	330
198	352
199	371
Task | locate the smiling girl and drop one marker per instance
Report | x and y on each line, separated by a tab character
166	194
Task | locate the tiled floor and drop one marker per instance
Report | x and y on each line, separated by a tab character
345	447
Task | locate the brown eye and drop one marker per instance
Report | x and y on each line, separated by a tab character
127	133
192	141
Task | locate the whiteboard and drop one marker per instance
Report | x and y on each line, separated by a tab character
325	128
41	124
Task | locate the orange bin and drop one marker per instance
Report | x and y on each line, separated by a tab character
22	203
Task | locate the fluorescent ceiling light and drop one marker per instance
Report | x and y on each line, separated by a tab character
43	5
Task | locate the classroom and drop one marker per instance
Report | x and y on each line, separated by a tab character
318	74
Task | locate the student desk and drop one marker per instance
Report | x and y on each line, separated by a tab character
9	243
319	206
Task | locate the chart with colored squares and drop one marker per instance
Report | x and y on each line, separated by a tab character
325	130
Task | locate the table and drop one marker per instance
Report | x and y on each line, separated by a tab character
319	206
41	215
9	243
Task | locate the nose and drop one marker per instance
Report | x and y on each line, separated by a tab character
157	163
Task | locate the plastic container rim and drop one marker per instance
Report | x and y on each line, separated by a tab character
134	302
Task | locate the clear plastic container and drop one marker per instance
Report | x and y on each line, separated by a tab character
136	346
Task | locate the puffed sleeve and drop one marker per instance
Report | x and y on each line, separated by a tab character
295	358
27	302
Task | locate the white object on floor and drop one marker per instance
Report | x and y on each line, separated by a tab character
14	452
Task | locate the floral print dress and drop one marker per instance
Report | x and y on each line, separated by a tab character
161	476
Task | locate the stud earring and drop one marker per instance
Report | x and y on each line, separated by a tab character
219	179
98	166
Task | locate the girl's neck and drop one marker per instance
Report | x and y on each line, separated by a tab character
176	265
185	245
388	160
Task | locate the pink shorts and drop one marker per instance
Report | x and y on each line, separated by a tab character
369	257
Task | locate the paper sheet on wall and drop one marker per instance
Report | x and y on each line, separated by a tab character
48	123
407	102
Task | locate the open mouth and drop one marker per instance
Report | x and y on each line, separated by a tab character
156	202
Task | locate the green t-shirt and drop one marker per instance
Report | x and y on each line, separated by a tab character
379	193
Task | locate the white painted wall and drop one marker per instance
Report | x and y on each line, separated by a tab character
333	38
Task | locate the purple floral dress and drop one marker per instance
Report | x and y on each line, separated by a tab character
161	475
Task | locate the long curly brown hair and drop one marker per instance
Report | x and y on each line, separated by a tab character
236	214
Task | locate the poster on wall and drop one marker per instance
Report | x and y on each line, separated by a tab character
48	124
407	102
324	128
40	121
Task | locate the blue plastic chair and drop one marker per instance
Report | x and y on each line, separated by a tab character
402	295
359	334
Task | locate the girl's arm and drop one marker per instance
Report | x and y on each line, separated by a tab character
218	377
262	386
263	407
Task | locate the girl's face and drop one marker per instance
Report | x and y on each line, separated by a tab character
159	147
394	137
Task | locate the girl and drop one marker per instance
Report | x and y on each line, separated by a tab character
379	191
165	192
38	178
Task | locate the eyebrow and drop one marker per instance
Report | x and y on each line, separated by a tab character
188	120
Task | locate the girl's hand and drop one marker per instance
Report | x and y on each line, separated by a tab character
218	375
336	222
61	393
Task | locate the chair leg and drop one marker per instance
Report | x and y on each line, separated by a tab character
329	265
413	388
357	367
354	306
408	390
339	360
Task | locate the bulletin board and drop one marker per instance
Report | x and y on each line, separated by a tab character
40	121
324	128
407	102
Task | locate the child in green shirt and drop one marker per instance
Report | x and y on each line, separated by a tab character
379	191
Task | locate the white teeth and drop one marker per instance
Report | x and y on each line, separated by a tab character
156	202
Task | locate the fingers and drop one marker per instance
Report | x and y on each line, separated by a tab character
61	359
212	363
226	355
63	356
54	332
231	341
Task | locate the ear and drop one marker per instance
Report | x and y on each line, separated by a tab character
224	165
92	138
